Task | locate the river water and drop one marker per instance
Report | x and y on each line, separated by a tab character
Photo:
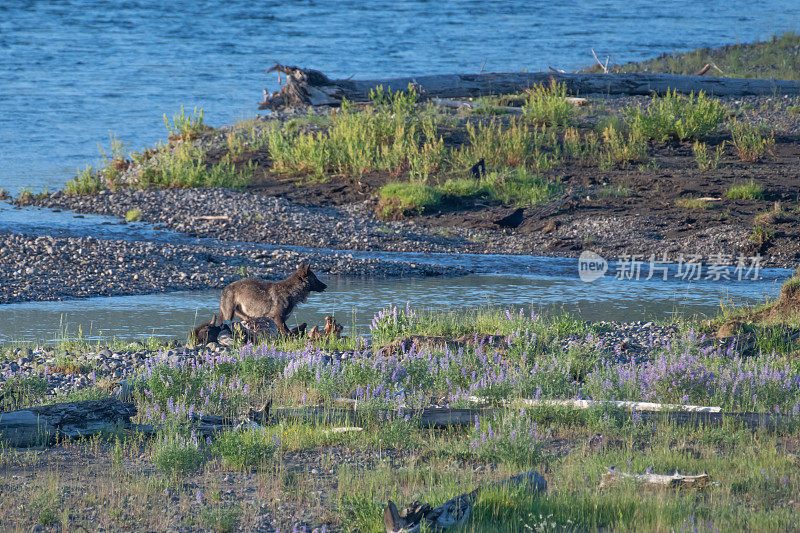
72	73
502	281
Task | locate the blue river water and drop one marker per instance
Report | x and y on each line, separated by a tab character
72	72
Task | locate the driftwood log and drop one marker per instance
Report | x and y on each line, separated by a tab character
453	512
661	481
42	425
312	87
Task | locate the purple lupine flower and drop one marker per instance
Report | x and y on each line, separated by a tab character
198	497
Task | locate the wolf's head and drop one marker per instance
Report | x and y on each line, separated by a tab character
310	280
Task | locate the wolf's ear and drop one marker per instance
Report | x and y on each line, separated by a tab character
304	268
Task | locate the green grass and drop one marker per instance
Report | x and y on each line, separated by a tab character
227	481
547	105
621	146
677	116
185	166
408	197
185	126
693	203
750	143
776	58
707	160
86	182
389	135
746	191
133	215
515	186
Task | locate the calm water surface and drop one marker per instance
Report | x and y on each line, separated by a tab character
73	71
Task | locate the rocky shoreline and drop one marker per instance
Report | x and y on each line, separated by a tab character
251	217
58	268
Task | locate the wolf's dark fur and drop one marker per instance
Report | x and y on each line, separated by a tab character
207	332
254	297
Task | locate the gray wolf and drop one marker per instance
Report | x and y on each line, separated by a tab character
254	297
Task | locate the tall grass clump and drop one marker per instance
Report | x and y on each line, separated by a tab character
177	456
389	135
548	105
186	167
621	146
746	191
407	197
86	182
244	450
184	126
518	186
707	160
750	144
507	145
676	116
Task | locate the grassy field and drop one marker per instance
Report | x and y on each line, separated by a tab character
301	472
776	58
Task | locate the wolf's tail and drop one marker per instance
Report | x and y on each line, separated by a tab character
226	306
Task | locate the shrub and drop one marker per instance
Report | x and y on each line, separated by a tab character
185	167
133	215
621	147
749	143
387	136
704	159
548	105
746	191
675	116
244	450
762	235
86	182
177	456
185	126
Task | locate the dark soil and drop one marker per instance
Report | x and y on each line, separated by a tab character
631	210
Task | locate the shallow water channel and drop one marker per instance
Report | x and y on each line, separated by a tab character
544	284
354	301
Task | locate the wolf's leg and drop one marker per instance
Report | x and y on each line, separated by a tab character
226	307
281	323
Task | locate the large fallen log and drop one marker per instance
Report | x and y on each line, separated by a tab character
42	425
312	87
662	481
453	512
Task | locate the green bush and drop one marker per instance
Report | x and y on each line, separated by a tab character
133	215
176	456
675	116
244	450
750	144
619	147
86	182
706	160
185	126
186	167
390	135
548	105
